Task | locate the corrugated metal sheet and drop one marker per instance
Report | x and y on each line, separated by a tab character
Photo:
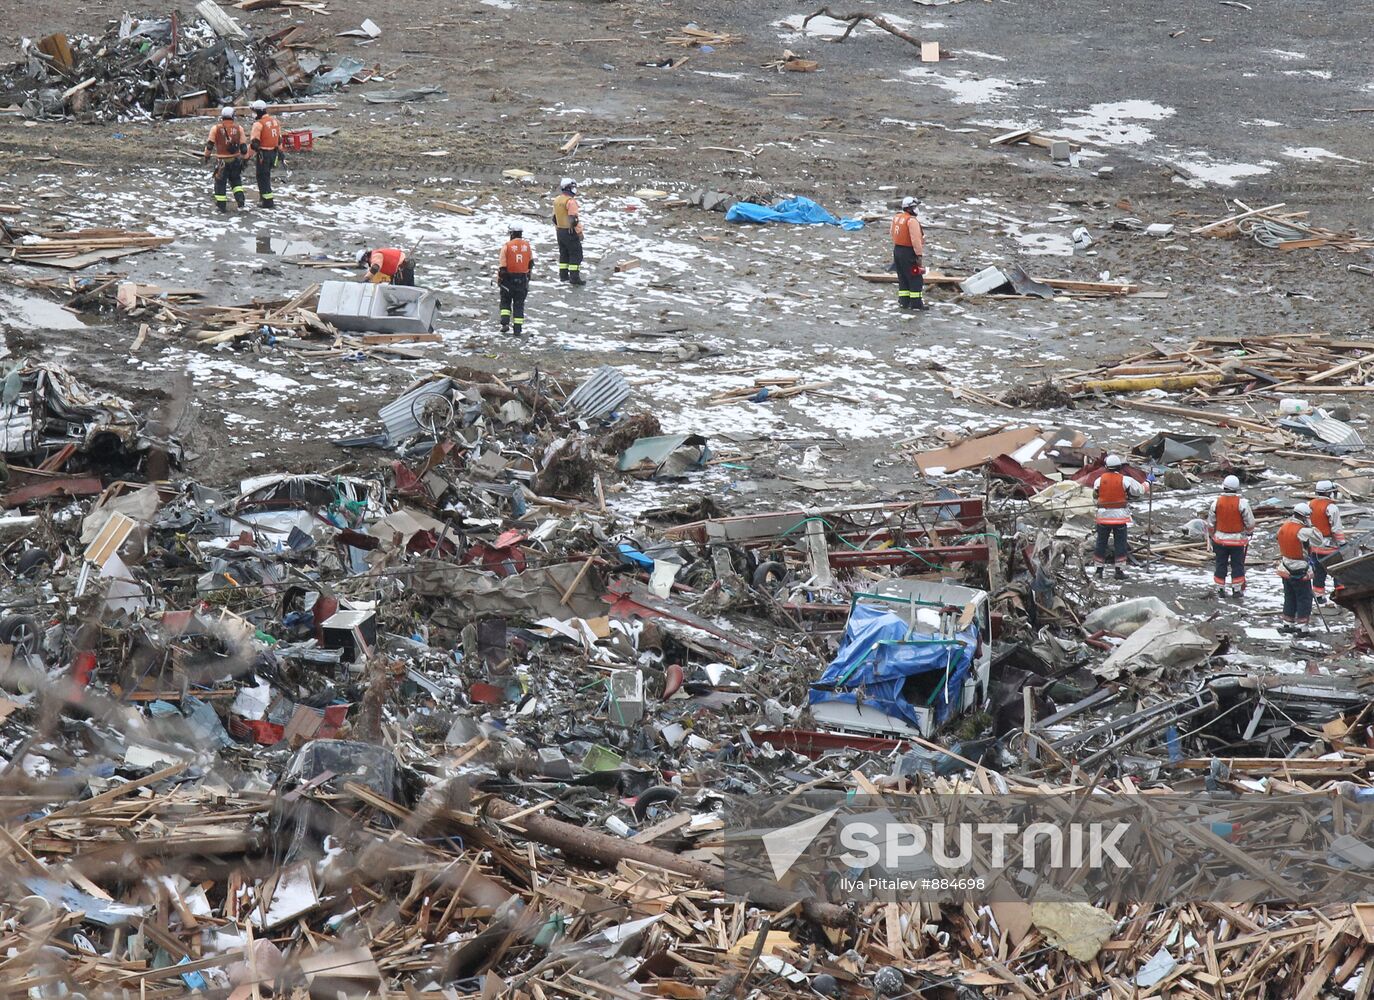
398	416
1324	428
599	395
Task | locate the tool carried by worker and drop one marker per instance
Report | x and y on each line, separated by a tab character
227	144
567	220
908	256
513	278
1114	492
1230	522
265	143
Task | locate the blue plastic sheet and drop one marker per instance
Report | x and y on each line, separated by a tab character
880	654
799	211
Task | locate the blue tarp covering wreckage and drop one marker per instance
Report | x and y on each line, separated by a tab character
880	653
800	211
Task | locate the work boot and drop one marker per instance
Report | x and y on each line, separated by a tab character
1300	632
919	305
576	278
1238	593
1221	593
1099	571
1287	627
1120	573
505	327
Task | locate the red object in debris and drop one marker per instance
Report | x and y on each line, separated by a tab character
1029	482
673	680
334	718
503	560
294	142
813	743
258	730
82	667
407	482
486	694
324	608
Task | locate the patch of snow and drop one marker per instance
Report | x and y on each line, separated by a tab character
1264	123
1286	55
1320	74
1207	170
966	88
981	55
1313	153
1114	123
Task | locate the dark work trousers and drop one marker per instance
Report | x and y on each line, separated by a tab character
1230	559
266	160
1319	571
910	285
229	177
405	274
1117	533
1297	598
569	256
514	288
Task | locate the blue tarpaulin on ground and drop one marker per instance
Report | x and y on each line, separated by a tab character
880	653
800	211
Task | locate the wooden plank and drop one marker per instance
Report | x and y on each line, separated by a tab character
662	828
1235	218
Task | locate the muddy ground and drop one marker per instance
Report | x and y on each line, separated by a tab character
1179	106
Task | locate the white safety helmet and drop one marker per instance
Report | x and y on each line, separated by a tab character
1231	484
259	106
908	204
516	229
567	184
1326	486
226	112
1113	461
1302	510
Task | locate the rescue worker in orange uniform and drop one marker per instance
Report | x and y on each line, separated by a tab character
265	142
1326	518
1114	492
387	264
513	278
908	255
1296	537
227	143
1230	522
567	219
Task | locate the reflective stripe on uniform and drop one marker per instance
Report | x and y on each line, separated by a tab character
505	313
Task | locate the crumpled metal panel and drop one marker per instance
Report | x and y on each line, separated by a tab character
600	394
398	416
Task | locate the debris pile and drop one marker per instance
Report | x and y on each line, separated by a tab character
163	67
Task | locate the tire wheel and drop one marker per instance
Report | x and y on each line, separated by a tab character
32	560
770	576
21	632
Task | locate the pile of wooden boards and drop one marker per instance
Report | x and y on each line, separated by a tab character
1231	365
80	248
694	37
768	389
1282	231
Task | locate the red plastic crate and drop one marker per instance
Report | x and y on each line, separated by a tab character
294	142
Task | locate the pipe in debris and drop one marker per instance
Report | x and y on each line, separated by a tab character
612	850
